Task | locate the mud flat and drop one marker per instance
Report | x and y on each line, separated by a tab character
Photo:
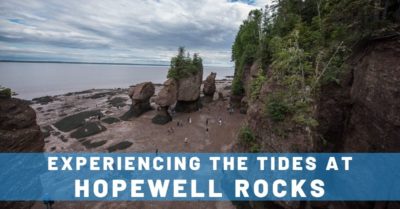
89	121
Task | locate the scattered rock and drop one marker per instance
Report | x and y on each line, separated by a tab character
89	129
102	94
63	139
79	92
120	146
89	145
72	122
110	120
46	131
118	102
43	100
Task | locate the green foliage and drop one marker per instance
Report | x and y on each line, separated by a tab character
248	140
255	148
303	44
246	47
5	92
237	86
246	136
183	65
256	85
277	109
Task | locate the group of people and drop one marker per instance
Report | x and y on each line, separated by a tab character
179	123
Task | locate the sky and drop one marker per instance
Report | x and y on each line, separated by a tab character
120	31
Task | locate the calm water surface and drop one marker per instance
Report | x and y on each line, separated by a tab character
32	80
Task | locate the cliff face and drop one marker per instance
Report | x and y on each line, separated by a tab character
361	113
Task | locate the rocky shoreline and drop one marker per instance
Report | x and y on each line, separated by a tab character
92	120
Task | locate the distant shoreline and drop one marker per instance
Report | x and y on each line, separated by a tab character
97	63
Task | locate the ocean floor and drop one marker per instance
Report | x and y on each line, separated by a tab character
61	118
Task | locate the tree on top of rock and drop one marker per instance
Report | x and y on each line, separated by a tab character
182	66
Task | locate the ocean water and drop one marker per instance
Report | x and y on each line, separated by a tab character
30	80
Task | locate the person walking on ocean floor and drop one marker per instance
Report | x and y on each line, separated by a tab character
189	120
220	121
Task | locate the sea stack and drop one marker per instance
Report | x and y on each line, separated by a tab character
189	92
209	87
140	96
165	98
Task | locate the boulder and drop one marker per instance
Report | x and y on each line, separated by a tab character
140	96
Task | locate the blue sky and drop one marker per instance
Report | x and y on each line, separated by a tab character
127	31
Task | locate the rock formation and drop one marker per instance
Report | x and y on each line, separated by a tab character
209	87
188	98
19	133
165	98
140	96
18	129
362	114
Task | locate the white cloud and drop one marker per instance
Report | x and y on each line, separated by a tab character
120	30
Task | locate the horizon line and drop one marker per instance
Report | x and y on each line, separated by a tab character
101	63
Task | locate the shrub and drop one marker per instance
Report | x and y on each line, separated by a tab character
237	87
246	136
5	92
248	140
277	109
255	148
256	85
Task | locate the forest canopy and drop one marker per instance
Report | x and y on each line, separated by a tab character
303	44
